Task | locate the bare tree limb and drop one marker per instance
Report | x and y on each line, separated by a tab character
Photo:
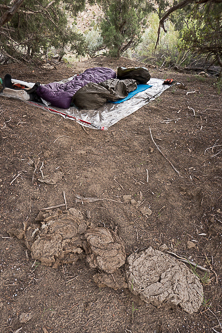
180	5
172	9
11	12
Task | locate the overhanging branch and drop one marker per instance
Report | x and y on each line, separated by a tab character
180	5
11	12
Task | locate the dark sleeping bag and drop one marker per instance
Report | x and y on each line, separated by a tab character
140	74
60	94
92	96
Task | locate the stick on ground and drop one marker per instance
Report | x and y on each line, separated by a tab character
163	154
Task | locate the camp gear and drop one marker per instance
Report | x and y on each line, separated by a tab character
7	83
60	94
94	95
102	118
140	74
168	81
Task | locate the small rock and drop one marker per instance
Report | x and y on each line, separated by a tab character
212	219
19	233
190	245
48	66
181	85
146	211
204	74
25	317
133	202
151	150
127	198
163	247
88	214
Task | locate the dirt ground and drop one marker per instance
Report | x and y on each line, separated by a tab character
185	206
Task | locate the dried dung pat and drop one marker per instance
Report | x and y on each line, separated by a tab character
107	249
159	278
57	239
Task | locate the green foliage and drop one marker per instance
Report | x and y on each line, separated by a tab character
202	33
38	26
94	42
167	49
123	24
204	279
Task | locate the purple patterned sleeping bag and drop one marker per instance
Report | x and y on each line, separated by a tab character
60	94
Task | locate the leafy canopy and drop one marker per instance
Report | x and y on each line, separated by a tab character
202	33
37	25
123	24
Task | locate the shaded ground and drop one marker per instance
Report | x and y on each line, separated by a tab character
107	165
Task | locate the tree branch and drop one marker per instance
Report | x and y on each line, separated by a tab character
180	5
7	16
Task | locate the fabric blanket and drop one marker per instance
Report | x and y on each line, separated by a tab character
60	94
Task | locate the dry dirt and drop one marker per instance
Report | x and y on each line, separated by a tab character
181	210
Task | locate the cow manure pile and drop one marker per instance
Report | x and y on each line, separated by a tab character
156	277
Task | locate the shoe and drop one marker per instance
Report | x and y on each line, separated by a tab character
7	81
33	89
168	81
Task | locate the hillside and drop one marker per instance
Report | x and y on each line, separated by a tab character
185	211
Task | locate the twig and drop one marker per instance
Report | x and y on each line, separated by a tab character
36	166
83	127
167	121
72	279
4	126
215	330
81	199
191	92
192	110
18	330
64	196
212	147
215	317
62	136
52	207
33	263
40	169
147	176
7	121
188	262
118	183
19	173
217	153
163	154
138	181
